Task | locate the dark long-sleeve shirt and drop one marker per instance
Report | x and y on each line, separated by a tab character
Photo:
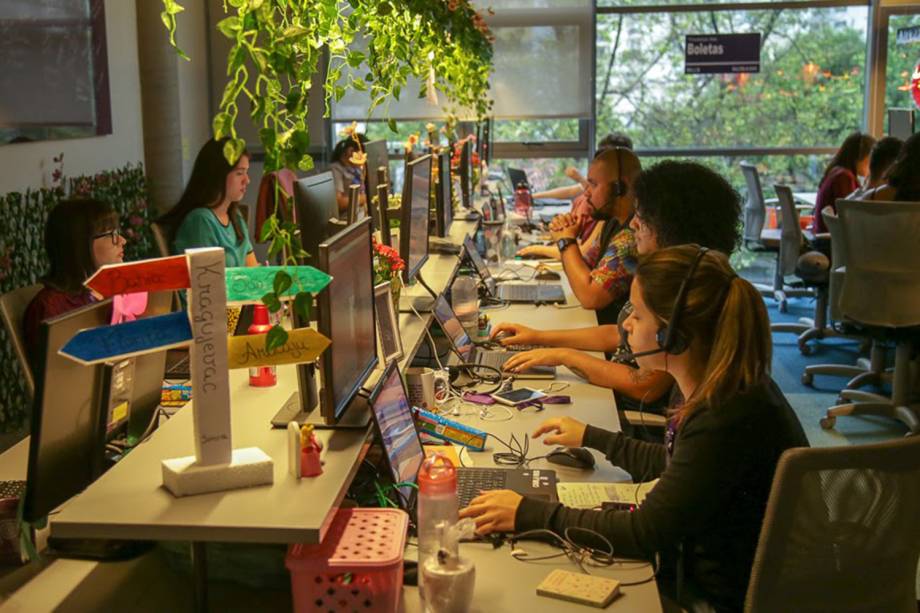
711	495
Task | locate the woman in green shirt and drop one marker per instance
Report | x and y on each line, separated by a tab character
208	213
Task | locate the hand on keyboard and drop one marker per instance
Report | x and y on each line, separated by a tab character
526	360
508	333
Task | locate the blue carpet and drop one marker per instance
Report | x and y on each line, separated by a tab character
811	402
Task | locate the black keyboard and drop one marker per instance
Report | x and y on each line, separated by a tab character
12	489
472	481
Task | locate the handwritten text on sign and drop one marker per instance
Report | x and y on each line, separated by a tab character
303	345
156	275
250	284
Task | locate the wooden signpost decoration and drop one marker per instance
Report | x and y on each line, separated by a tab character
216	465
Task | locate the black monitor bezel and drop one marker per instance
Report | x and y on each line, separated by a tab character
383	213
407	505
310	218
405	223
329	410
94	466
466	188
370	173
444	200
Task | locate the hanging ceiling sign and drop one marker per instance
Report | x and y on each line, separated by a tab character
721	53
909	36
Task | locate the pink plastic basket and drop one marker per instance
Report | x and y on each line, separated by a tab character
357	567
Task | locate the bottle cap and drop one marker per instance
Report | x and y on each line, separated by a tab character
260	315
437	475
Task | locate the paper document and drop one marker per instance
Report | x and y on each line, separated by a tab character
592	495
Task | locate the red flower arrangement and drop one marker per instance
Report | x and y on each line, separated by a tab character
387	263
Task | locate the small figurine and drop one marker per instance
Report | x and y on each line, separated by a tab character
310	465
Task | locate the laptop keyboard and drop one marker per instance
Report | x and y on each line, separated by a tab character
472	481
495	359
519	293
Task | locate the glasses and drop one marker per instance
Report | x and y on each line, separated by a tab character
114	235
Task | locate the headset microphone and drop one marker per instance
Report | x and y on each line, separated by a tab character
628	355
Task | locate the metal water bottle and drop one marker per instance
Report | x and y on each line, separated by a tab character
261	376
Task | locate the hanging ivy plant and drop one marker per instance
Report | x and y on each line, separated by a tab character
276	50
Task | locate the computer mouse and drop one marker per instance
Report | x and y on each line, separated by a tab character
530	256
575	457
547	275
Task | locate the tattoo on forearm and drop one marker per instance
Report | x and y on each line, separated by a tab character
579	373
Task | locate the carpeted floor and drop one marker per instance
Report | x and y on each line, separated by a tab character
811	402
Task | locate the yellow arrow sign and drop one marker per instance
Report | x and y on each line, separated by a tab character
303	345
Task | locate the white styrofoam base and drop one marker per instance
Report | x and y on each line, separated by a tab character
248	467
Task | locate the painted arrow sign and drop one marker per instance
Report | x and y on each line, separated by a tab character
251	283
156	275
303	345
131	338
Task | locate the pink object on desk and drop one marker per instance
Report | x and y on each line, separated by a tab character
127	307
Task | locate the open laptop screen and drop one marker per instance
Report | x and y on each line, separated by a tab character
452	327
476	259
396	427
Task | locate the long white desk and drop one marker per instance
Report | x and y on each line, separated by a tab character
128	501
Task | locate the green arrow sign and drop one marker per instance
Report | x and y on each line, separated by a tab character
249	284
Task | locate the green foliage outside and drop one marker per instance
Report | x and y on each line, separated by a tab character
23	260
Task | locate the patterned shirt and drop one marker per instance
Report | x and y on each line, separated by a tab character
612	271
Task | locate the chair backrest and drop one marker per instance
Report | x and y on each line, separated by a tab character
12	308
838	263
161	238
790	244
840	531
881	243
755	210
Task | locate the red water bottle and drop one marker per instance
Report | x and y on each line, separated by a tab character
261	376
522	199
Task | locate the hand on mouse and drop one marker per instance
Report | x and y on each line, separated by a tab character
564	431
509	333
525	360
493	511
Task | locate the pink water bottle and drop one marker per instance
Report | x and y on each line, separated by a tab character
522	199
261	376
437	503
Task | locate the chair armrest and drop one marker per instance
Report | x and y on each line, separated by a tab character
652	420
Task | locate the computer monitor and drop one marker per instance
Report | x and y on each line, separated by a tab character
413	227
466	188
518	177
377	157
65	452
316	205
383	214
444	200
346	317
485	147
398	435
901	123
452	327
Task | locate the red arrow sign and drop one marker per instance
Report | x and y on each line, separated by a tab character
156	275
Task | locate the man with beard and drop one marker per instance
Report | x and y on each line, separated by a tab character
605	286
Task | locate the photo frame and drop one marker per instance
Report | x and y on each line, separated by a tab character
389	341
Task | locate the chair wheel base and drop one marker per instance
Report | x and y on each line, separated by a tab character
827	423
805	349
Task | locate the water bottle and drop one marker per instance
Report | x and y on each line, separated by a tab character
261	376
437	503
508	248
523	201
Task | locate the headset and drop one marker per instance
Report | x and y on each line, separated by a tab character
669	338
620	188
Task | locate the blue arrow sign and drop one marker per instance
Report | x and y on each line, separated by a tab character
131	338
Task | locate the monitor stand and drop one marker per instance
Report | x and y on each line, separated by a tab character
419	304
356	417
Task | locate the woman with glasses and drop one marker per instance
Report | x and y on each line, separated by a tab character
80	236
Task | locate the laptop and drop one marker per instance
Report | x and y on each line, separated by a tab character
531	293
470	353
402	449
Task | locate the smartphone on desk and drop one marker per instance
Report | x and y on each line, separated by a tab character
518	396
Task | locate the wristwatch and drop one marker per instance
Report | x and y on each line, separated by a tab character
562	243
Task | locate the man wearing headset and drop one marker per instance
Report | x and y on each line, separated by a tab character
605	287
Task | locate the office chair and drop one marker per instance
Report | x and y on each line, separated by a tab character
815	278
12	308
881	294
840	531
866	371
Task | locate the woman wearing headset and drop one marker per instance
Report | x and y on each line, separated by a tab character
724	439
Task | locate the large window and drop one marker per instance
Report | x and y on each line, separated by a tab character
787	118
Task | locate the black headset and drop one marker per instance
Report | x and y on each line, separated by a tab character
670	338
619	187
